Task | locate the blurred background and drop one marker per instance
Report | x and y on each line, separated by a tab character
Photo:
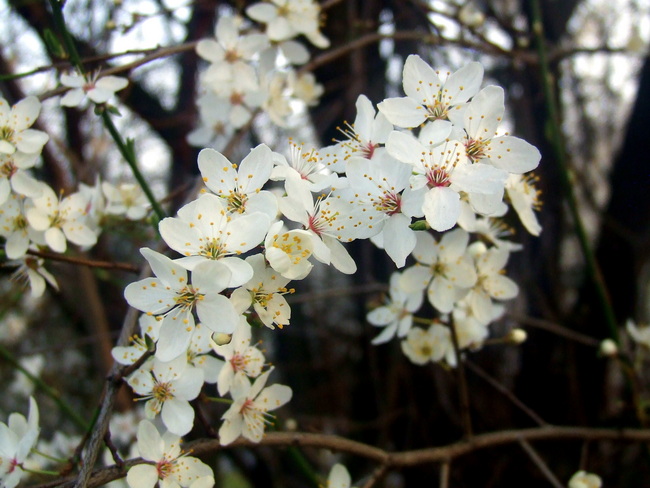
342	384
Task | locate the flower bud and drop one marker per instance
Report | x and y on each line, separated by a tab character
291	425
608	348
221	339
517	336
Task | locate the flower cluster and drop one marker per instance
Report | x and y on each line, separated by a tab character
250	70
237	257
434	159
436	154
32	215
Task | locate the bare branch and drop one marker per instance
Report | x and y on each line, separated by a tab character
442	454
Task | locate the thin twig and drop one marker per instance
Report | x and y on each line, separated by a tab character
445	469
507	393
155	53
336	292
556	329
91	263
111	388
376	476
539	462
462	384
42	386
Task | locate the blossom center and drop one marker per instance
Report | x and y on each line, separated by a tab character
389	203
236	98
7	133
214	249
88	86
219	128
187	297
238	362
437	111
162	392
439	269
237	201
476	149
231	56
438	177
8	169
368	150
321	220
164	468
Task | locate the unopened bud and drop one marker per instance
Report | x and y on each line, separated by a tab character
470	16
517	336
291	425
221	339
608	348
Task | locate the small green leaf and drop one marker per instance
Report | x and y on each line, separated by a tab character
53	45
420	225
113	109
151	344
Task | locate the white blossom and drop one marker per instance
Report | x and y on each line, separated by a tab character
97	89
171	294
249	413
17	438
168	388
242	360
428	98
397	315
265	291
169	467
16	138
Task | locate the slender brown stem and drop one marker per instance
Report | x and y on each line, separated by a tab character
445	469
90	263
556	329
507	393
376	476
539	462
463	391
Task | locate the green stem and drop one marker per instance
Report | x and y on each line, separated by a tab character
41	471
51	392
126	149
17	76
304	466
220	400
422	320
558	146
47	456
59	21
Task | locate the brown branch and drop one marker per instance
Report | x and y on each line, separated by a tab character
90	263
109	394
442	454
425	38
